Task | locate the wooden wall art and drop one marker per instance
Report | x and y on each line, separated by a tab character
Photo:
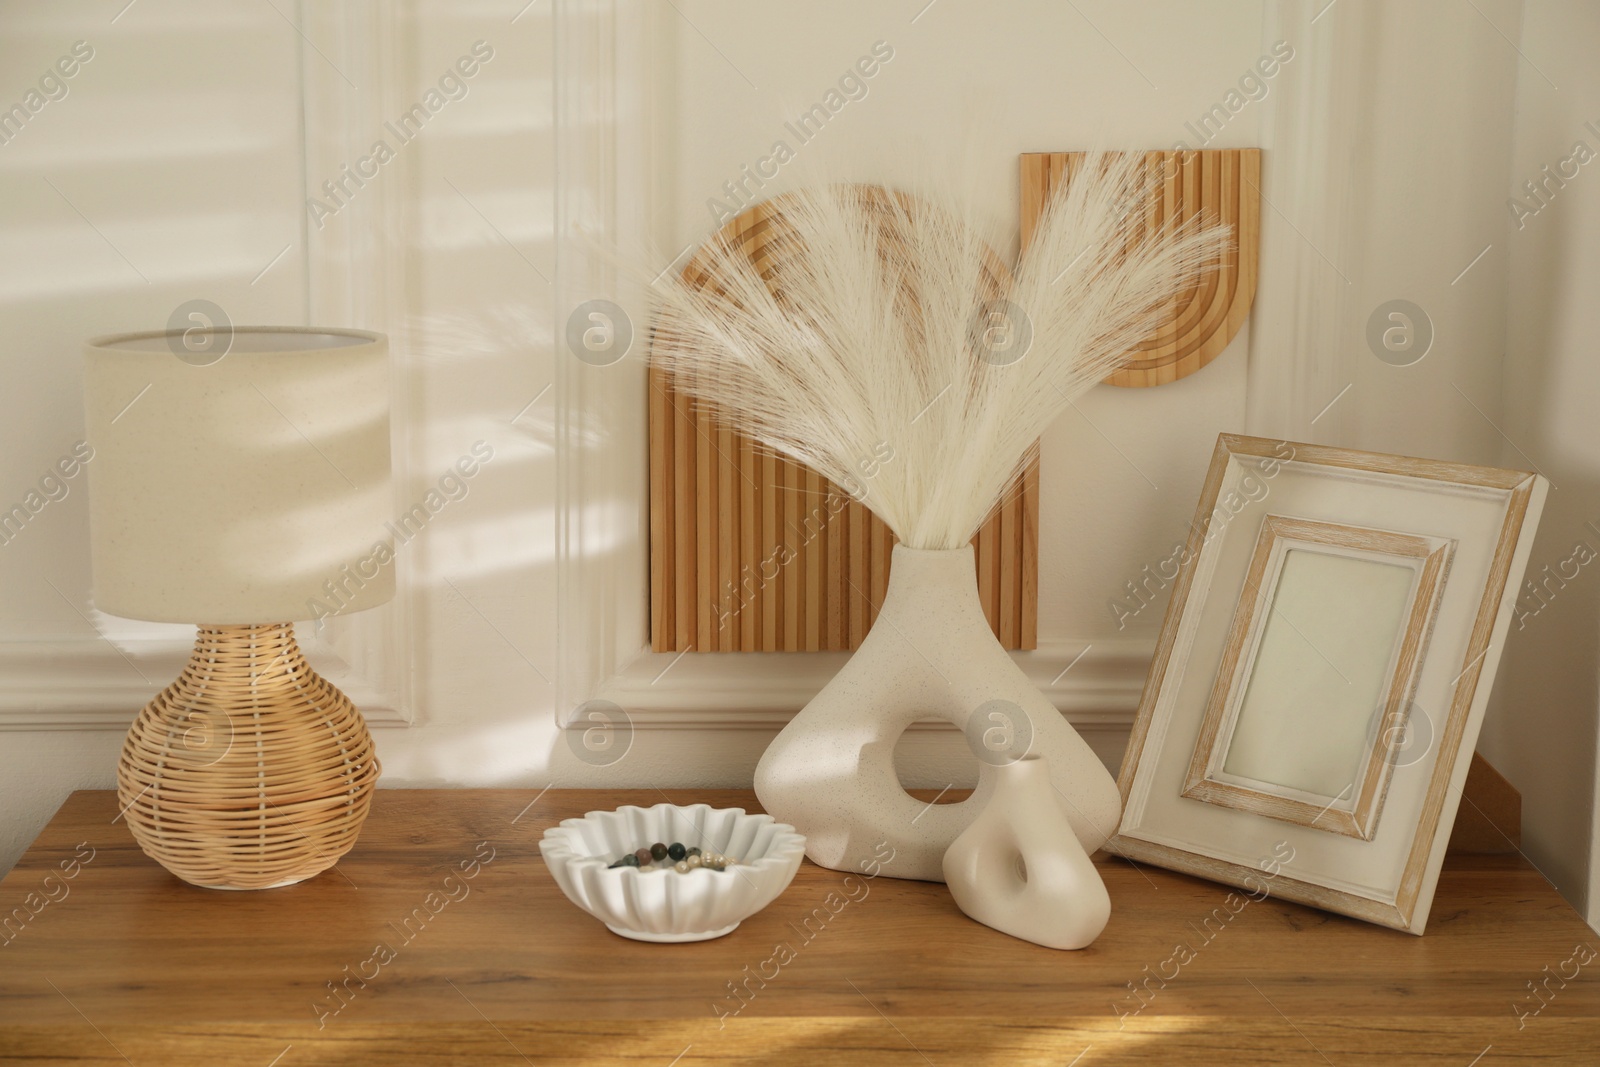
1219	184
750	552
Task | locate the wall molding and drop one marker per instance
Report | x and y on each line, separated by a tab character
91	683
1310	135
604	74
357	265
1095	685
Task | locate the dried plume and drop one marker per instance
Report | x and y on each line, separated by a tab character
885	326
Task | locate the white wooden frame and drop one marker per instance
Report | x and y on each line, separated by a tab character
1480	520
1428	560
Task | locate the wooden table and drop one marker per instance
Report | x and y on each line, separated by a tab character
128	965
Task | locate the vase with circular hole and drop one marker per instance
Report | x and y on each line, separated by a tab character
930	654
1020	868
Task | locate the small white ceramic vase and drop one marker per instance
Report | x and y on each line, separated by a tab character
930	654
1020	869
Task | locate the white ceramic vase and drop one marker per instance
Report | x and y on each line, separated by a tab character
1020	868
930	654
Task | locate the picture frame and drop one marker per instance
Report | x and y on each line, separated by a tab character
1322	673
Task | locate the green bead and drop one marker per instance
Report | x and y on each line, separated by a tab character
676	851
693	851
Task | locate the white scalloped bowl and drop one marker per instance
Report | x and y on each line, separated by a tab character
663	905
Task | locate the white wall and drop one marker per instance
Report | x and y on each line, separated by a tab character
1388	137
1542	731
169	170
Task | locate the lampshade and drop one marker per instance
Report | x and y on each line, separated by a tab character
248	489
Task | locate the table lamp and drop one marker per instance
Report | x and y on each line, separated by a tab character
241	481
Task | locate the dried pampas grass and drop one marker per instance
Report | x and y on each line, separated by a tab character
867	348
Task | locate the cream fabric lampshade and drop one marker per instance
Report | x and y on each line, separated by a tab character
247	488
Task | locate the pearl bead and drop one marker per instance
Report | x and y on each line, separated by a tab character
682	867
690	861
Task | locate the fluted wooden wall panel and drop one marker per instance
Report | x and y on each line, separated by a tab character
750	552
1211	185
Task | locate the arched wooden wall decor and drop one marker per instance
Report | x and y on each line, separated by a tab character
1217	184
750	552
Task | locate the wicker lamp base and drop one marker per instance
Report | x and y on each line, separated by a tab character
250	771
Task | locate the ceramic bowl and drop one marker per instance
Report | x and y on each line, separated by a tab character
662	904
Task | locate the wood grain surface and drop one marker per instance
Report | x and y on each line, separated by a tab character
131	966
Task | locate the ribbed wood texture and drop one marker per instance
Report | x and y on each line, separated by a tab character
750	552
1213	185
250	770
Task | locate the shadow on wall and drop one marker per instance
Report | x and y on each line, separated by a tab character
1542	732
227	223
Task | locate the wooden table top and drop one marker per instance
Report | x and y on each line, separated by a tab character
116	961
